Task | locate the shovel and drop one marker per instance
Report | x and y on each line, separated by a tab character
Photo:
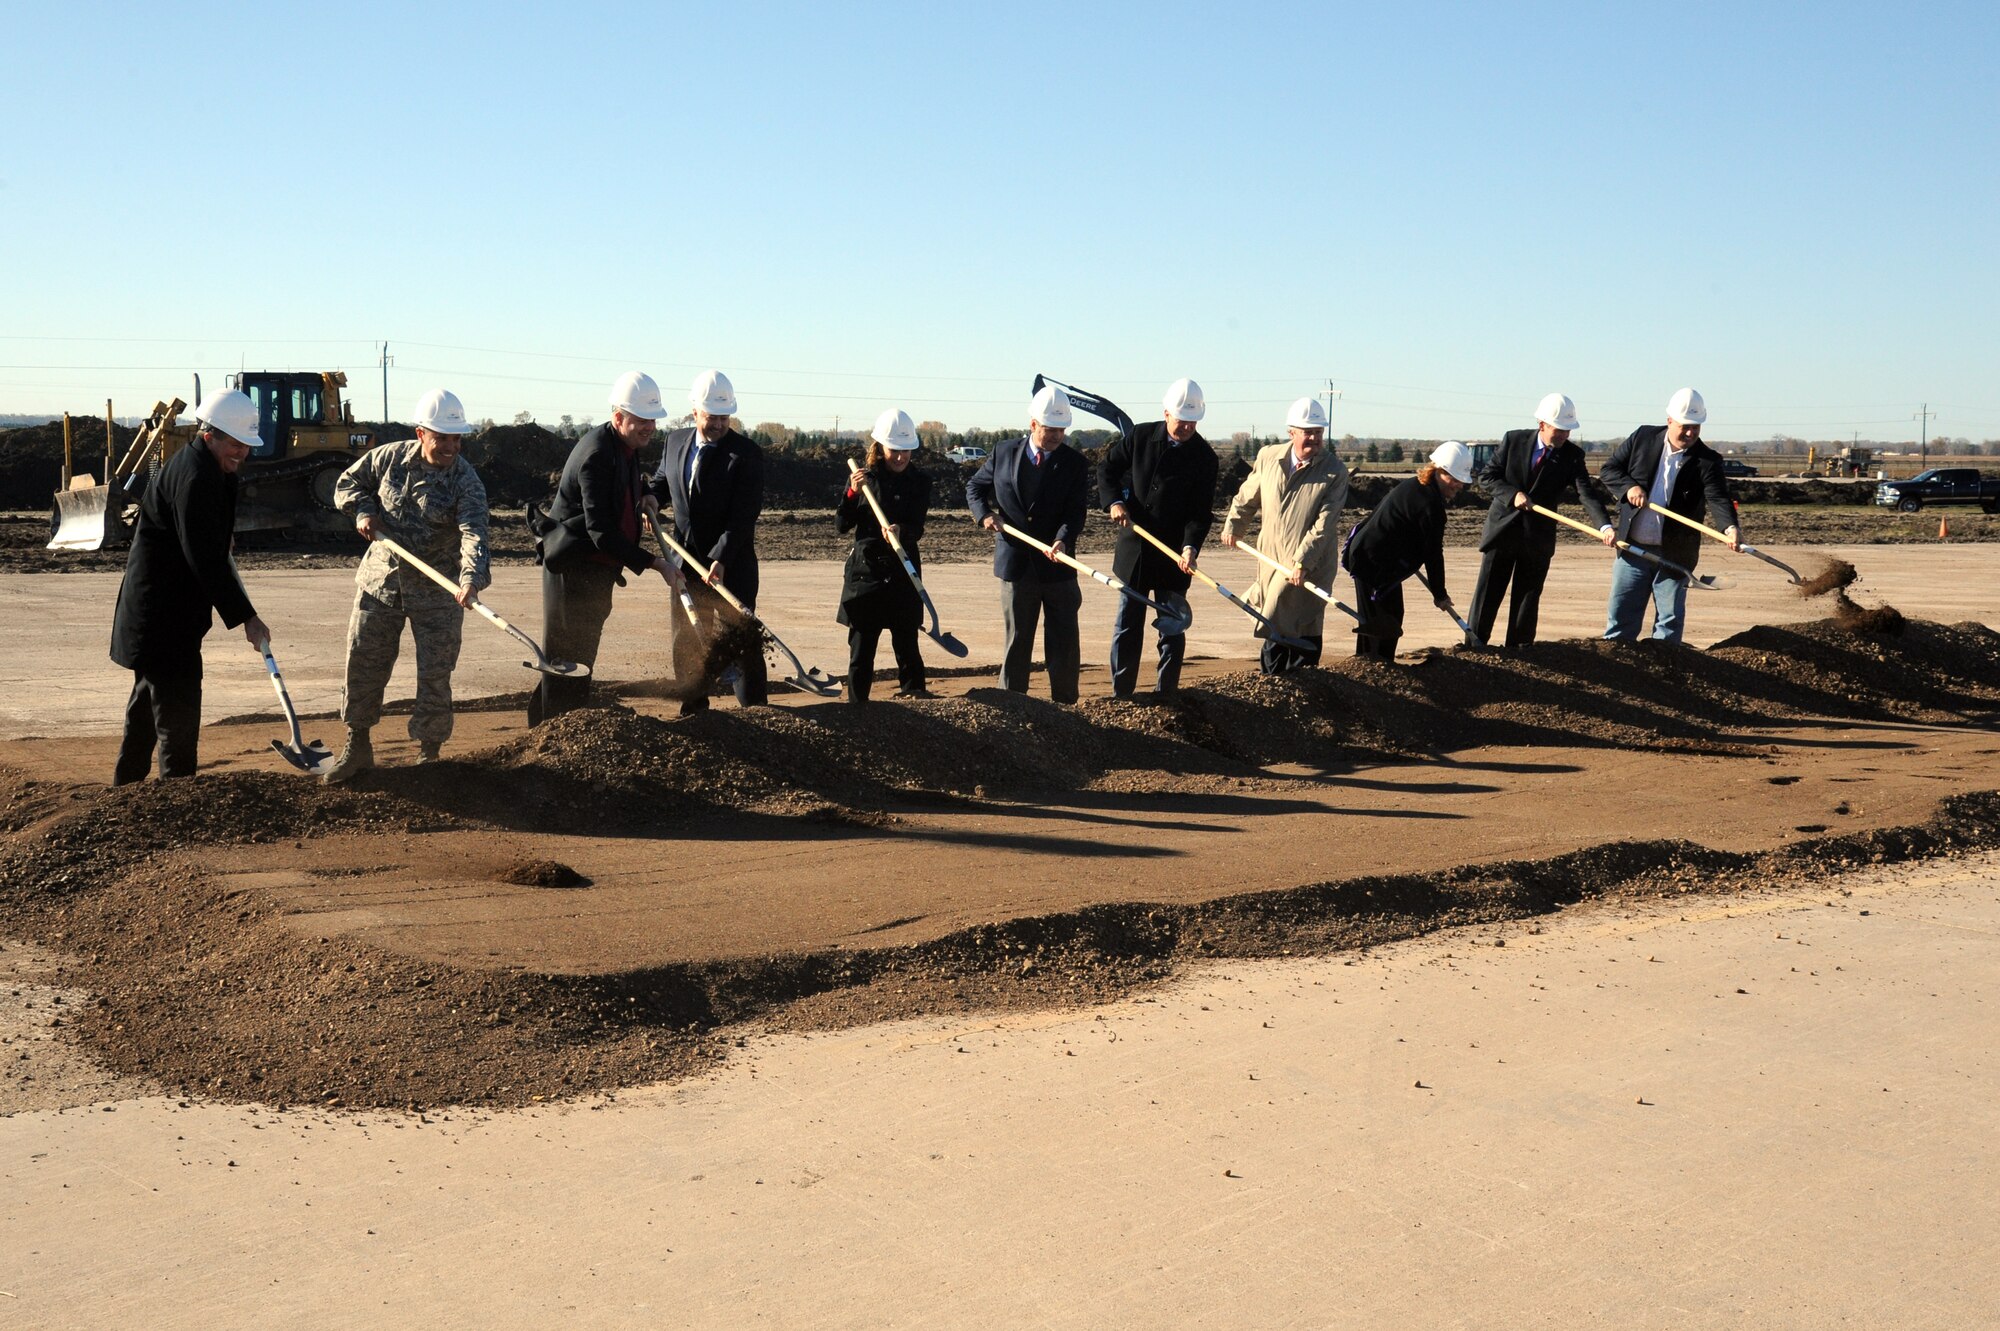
1463	627
937	635
1708	582
813	680
1750	550
313	758
1170	621
560	669
1233	598
1308	584
687	601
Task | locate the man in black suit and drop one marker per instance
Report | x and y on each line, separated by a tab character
591	536
1531	467
178	576
1161	478
712	476
1037	485
1670	466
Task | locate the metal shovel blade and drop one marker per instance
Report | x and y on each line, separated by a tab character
313	759
561	669
1172	617
949	642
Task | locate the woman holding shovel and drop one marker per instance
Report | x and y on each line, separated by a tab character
877	594
1404	535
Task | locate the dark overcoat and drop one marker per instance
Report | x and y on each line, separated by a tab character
1167	488
179	574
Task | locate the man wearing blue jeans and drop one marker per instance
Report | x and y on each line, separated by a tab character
1670	466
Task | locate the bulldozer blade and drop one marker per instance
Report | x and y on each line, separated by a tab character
83	519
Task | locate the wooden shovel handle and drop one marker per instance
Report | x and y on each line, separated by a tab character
1686	521
1061	557
1171	553
687	558
419	565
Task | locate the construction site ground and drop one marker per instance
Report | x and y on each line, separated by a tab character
1646	985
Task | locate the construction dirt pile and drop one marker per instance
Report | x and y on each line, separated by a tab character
209	988
31	459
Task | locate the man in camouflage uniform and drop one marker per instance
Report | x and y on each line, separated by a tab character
423	495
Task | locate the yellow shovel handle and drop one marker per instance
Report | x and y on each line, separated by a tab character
1687	521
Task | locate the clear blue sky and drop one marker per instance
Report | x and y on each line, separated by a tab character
1449	209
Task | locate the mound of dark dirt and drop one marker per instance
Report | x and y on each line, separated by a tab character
519	463
31	458
206	989
540	873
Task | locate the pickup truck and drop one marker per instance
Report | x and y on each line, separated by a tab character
1940	485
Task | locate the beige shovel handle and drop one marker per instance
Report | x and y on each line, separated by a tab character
1172	554
1686	521
1567	521
688	559
868	493
1060	556
441	580
419	565
1288	570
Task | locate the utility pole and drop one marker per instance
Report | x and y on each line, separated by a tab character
1923	415
1331	395
387	361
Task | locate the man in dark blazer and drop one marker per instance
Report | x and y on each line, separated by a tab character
1162	478
178	576
591	536
1036	484
1670	466
712	476
1531	467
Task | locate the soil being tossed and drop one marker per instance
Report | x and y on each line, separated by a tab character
207	988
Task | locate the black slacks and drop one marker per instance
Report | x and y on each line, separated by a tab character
1528	568
163	714
575	603
1381	627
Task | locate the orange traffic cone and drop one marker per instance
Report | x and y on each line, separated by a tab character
1941	530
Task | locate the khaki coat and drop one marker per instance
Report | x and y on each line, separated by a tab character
1298	521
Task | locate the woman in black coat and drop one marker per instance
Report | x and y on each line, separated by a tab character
1403	534
876	593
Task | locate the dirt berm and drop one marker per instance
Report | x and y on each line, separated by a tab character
205	985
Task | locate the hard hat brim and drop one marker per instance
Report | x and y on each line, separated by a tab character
641	412
910	447
1187	413
462	427
254	441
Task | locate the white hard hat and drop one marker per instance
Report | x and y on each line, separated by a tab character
234	414
1051	408
1184	402
894	429
1454	458
636	394
1557	410
1306	414
440	411
713	393
1687	407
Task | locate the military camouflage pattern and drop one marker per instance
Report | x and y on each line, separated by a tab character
438	514
374	634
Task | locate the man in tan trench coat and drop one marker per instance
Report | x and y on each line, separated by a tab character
1297	490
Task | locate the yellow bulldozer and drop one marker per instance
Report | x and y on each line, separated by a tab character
306	438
